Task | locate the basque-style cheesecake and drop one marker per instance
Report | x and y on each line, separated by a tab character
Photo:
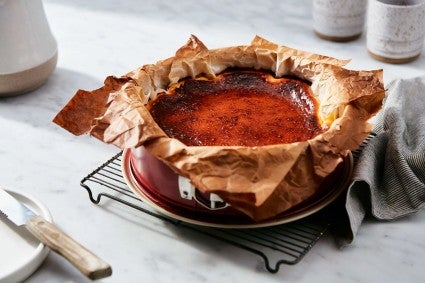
260	125
241	107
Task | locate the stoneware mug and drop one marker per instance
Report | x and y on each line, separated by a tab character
28	50
395	30
339	20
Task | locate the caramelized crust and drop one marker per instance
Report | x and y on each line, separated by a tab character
238	107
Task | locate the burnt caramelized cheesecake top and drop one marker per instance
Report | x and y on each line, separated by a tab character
243	107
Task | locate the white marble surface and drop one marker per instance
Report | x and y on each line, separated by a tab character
101	38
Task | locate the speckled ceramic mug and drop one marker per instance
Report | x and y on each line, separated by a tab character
395	29
339	20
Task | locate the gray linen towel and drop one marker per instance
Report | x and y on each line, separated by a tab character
389	176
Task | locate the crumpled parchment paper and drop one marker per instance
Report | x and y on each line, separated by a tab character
259	181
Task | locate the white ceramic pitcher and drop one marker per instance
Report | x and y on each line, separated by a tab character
28	50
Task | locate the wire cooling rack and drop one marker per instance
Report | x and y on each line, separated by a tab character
282	244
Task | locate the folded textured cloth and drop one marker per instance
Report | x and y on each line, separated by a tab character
389	176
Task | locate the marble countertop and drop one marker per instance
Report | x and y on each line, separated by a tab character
100	38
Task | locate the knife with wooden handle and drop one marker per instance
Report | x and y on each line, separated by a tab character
84	260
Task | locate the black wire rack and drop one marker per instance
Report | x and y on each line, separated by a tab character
283	244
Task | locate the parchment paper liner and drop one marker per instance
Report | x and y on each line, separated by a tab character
259	181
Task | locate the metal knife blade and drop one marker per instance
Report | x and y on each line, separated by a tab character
84	260
14	210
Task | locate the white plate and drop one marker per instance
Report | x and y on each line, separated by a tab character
187	216
21	253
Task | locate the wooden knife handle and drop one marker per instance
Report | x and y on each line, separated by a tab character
84	260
